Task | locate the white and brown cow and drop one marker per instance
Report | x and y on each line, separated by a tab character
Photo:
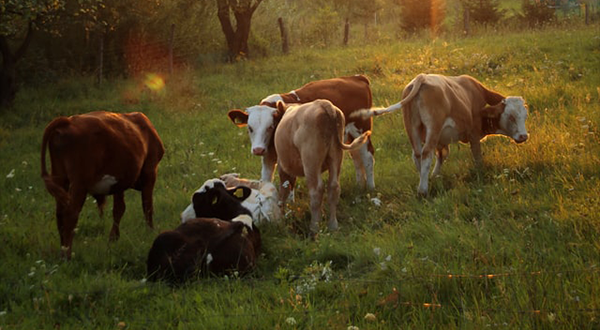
309	141
218	238
99	153
349	94
439	110
262	200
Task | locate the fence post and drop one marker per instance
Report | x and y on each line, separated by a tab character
466	27
284	38
101	58
171	41
346	32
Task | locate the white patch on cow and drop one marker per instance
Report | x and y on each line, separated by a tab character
449	133
209	259
512	120
102	187
273	98
245	219
210	184
296	95
260	127
188	214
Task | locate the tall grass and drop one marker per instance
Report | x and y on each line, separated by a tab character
514	245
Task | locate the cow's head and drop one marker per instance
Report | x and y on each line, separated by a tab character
261	121
511	114
215	200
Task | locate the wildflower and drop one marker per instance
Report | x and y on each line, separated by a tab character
291	321
353	327
377	251
11	174
376	201
370	317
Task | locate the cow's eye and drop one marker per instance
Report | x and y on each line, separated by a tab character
512	119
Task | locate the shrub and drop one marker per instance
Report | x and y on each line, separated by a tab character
537	12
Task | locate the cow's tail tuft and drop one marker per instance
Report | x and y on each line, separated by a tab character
59	193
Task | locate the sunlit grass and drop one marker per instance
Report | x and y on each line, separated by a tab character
520	236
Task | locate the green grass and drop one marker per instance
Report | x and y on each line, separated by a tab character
530	217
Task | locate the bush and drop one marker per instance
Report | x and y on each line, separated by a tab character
537	13
484	11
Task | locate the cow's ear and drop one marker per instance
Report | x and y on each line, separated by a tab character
281	108
238	117
493	111
240	192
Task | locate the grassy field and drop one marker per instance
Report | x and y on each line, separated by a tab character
515	245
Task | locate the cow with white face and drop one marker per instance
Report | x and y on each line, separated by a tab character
440	110
349	94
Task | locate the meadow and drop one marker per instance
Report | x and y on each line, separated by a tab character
513	245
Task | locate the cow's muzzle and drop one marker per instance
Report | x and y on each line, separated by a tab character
258	151
521	138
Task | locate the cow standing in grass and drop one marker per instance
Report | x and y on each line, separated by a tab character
440	110
99	153
349	94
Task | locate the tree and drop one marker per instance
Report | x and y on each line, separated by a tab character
237	39
484	11
18	21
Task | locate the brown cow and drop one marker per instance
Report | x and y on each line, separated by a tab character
439	110
99	153
347	93
309	141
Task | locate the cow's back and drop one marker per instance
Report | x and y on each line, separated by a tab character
98	144
347	93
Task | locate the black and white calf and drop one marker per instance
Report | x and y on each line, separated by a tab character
220	238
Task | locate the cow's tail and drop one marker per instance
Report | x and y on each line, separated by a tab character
59	193
340	124
368	113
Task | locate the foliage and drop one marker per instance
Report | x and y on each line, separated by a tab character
484	11
511	245
537	13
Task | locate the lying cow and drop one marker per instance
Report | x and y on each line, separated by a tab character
221	239
439	110
99	153
347	93
309	141
263	201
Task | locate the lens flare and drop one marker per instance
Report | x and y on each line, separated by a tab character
154	82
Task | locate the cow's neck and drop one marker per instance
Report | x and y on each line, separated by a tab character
490	125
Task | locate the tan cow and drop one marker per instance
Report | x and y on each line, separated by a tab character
99	153
309	141
349	94
439	110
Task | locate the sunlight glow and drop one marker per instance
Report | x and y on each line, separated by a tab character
154	82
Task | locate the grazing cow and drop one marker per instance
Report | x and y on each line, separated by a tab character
309	141
220	239
99	153
439	110
347	93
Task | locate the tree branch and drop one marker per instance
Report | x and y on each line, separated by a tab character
21	51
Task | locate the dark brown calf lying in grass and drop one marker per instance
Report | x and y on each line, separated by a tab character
207	244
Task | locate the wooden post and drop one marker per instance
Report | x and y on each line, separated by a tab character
101	59
466	27
284	38
587	13
171	40
346	32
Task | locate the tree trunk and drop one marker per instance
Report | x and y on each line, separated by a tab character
237	39
284	38
8	71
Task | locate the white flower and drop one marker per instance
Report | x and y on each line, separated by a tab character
291	321
353	327
377	251
376	201
11	174
370	317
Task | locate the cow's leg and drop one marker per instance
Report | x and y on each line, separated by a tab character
118	211
476	151
333	191
285	185
147	190
71	215
314	183
429	148
100	202
358	167
269	160
441	155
